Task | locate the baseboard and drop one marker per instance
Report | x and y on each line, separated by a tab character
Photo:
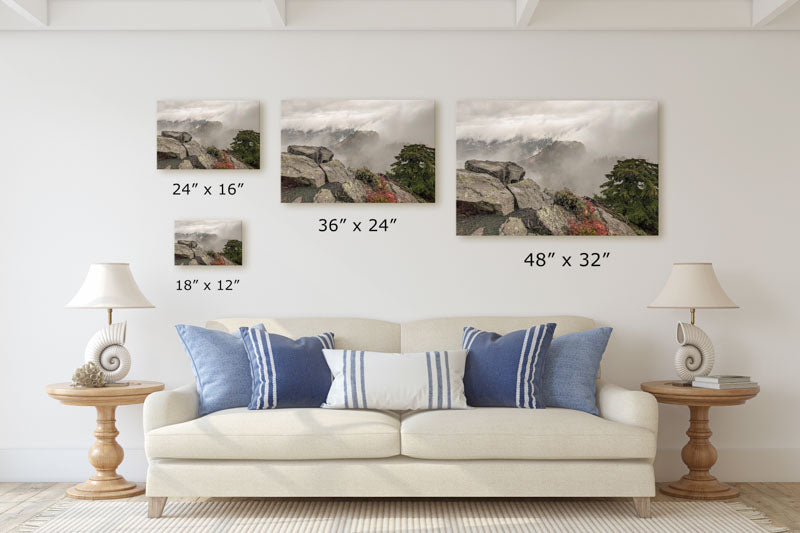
738	464
70	465
52	464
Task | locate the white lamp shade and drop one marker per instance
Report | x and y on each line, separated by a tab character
109	286
693	286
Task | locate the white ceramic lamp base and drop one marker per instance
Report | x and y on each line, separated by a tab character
695	357
106	349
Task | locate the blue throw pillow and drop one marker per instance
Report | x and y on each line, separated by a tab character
506	371
286	372
571	369
220	365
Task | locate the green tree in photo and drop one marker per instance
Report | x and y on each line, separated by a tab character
631	190
233	251
415	169
246	147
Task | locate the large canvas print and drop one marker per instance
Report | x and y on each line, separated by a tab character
557	168
361	151
208	134
208	242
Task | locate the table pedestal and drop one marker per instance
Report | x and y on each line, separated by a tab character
105	455
699	455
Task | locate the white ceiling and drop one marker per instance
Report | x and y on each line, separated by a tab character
399	14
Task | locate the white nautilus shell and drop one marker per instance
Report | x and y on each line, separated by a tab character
695	357
106	350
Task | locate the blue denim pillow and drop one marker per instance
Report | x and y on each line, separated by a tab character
570	370
287	372
506	371
220	365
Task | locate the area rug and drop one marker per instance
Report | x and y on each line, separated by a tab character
565	516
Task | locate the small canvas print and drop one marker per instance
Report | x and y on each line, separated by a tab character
208	242
358	151
557	168
208	134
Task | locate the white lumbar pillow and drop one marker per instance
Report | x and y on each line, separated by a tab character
396	381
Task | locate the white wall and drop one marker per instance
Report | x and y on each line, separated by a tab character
79	185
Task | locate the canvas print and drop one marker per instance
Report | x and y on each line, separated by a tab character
362	151
208	134
557	168
208	242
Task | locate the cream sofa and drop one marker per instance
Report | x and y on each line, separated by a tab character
481	452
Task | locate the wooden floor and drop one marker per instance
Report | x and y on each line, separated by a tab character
21	501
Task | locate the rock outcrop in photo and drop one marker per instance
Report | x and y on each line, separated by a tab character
312	174
190	253
178	150
495	198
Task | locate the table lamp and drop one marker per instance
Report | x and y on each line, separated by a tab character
693	286
109	286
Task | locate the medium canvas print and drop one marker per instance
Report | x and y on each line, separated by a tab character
208	242
358	151
557	168
208	134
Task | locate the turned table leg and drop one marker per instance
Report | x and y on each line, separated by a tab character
699	455
105	455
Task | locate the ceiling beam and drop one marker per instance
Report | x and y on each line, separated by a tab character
642	15
765	11
277	11
525	9
399	14
34	11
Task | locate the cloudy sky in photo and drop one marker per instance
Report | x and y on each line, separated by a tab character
622	128
409	121
208	233
234	114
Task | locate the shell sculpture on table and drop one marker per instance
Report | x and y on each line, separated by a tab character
106	350
695	357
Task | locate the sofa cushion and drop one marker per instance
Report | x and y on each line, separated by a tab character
509	433
286	372
570	370
280	434
220	365
397	381
506	370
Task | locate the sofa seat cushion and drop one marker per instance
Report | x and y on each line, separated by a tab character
280	434
509	433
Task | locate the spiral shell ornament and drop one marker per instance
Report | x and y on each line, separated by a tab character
106	350
695	357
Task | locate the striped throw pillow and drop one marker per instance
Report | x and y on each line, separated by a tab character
410	381
506	370
286	372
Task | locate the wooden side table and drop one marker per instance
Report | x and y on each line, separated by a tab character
698	454
106	454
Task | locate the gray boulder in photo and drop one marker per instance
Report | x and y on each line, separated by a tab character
319	154
336	172
506	171
483	192
182	136
300	170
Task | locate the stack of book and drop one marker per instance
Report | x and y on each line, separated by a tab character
723	382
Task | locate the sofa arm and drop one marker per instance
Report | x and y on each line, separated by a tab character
170	407
635	408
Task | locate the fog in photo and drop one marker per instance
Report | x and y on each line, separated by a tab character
560	144
360	133
211	122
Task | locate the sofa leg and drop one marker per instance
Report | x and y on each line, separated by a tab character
642	506
155	506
